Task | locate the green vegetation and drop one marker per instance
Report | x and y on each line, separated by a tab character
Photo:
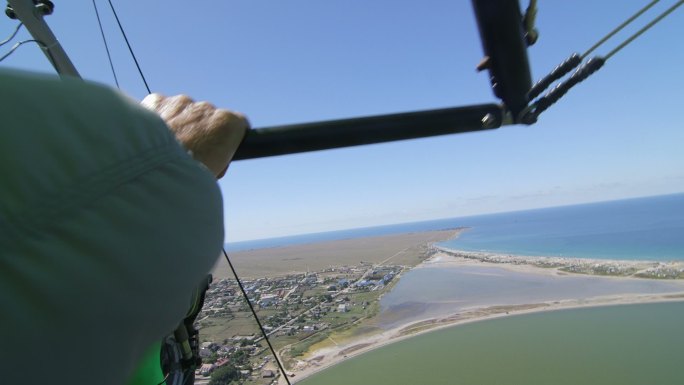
221	329
224	375
300	348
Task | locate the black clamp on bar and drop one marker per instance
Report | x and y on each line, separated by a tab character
542	104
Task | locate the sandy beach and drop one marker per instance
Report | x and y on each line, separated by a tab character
338	351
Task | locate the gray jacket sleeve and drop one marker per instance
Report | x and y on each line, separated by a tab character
106	226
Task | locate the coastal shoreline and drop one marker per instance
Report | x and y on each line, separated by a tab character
327	357
571	265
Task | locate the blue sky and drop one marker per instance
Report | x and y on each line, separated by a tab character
617	135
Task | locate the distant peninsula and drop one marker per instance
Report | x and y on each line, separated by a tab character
604	267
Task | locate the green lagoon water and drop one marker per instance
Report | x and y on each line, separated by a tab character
628	344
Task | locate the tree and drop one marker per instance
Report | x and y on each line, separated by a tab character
224	375
240	358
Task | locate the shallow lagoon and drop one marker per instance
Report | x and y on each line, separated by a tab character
429	292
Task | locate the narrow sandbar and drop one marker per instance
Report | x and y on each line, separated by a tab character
673	290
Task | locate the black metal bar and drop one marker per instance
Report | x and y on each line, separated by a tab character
32	18
503	41
296	138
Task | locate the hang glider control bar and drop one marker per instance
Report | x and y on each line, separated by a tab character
504	43
305	137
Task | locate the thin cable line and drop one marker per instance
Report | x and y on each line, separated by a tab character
644	29
589	68
619	28
104	39
16	30
19	44
129	46
263	331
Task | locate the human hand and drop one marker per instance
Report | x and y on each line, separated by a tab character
212	134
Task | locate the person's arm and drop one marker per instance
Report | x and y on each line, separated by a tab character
106	225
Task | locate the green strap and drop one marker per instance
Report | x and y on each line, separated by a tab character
149	370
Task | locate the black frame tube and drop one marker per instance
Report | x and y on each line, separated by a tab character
500	27
503	40
296	138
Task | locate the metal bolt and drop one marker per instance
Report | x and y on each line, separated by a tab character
45	8
489	121
9	11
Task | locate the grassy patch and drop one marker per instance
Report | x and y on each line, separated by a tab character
218	329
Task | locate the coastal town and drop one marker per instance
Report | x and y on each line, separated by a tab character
295	310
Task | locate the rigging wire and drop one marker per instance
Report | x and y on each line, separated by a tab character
104	39
644	29
16	30
585	70
116	16
574	60
263	331
619	28
19	44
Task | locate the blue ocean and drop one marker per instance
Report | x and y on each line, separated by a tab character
650	228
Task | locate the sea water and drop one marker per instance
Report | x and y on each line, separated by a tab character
650	228
636	229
